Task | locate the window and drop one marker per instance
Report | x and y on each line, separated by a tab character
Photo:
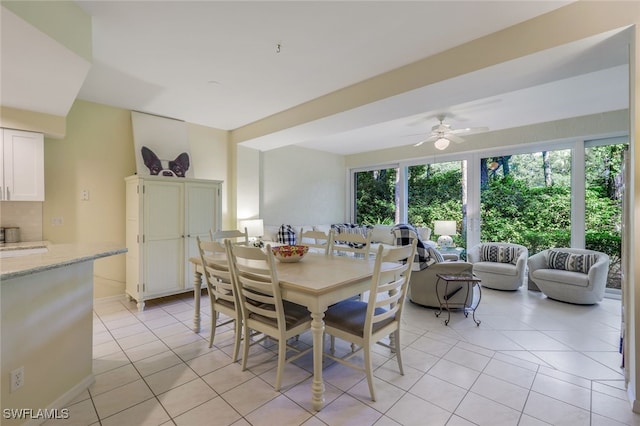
603	204
437	192
375	196
526	199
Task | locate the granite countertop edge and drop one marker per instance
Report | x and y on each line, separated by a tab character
57	256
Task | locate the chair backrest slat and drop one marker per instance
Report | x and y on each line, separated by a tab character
389	284
356	243
255	276
321	240
216	270
235	235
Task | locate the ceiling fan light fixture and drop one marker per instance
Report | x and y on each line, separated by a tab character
441	143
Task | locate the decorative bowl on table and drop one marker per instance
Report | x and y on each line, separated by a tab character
289	253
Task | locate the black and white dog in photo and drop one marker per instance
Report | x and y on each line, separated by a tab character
177	167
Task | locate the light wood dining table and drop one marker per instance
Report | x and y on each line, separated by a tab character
316	282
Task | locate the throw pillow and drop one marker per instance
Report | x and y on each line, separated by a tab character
499	254
405	234
350	228
287	235
571	261
435	254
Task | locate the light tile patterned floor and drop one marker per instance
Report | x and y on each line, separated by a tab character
532	361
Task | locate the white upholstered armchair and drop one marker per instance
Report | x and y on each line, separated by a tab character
501	266
570	275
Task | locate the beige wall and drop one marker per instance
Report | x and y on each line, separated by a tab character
96	154
51	125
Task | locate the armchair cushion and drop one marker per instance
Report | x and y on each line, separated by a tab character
571	261
560	276
495	268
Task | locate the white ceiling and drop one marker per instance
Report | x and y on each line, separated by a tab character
217	64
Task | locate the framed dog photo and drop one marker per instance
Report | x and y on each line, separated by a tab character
161	146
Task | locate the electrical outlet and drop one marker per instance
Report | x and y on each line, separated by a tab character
84	195
57	221
17	379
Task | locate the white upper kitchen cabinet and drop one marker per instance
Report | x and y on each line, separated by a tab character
22	166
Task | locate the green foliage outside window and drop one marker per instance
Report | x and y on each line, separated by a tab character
375	197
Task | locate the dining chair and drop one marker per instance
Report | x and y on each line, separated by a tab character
237	236
357	244
263	310
318	241
367	323
222	294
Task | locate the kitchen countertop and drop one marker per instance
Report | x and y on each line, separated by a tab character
25	245
57	255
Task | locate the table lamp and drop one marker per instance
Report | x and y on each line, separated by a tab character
445	228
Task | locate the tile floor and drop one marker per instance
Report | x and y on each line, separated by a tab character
532	361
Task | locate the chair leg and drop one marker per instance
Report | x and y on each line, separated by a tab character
236	344
398	352
333	344
368	366
245	352
214	316
282	354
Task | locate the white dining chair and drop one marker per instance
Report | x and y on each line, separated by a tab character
365	323
222	293
263	310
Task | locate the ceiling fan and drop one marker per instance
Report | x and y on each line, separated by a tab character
442	134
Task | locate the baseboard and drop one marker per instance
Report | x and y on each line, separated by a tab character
106	299
64	401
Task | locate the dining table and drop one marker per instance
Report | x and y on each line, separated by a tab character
316	281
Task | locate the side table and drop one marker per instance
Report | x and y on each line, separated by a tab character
470	281
451	253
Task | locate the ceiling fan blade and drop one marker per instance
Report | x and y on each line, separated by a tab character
468	130
429	139
454	138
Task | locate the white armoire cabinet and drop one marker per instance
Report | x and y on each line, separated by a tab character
164	215
21	165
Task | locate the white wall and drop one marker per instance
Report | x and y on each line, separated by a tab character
249	165
301	185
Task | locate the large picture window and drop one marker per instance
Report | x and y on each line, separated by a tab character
566	197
